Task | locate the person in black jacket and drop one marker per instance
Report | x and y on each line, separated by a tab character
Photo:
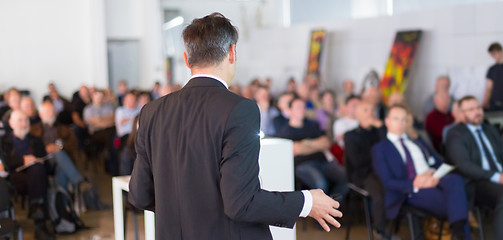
22	149
197	153
476	149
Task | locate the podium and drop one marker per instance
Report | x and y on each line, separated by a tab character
276	174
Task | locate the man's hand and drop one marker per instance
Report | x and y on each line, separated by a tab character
51	148
325	209
29	159
426	180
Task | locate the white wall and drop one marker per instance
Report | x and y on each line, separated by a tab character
52	40
454	39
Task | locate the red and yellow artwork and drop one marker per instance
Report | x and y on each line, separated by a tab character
315	47
398	67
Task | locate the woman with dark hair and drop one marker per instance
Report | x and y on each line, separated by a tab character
128	153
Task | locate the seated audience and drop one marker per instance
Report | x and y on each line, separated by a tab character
358	161
19	148
145	98
65	170
442	85
28	107
348	122
326	114
438	118
124	117
267	112
459	117
282	119
80	99
309	148
99	117
405	168
373	96
476	149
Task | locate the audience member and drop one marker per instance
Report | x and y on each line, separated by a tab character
309	148
348	122
493	99
442	85
348	87
143	99
327	113
65	170
28	107
373	96
459	117
128	152
19	149
110	97
124	117
80	99
358	161
438	118
61	105
267	112
291	86
99	117
476	149
405	168
122	89
155	92
282	119
396	98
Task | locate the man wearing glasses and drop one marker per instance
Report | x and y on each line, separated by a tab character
476	149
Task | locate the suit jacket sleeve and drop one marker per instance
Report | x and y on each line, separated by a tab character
383	170
240	187
458	153
141	185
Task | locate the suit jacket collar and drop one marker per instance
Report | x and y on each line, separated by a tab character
208	77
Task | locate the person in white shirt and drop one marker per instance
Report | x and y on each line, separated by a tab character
348	122
125	115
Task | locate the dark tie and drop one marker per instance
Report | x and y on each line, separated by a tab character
488	154
411	170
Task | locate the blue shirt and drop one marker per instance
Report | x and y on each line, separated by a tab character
485	164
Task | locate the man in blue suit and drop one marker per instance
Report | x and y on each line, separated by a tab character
405	168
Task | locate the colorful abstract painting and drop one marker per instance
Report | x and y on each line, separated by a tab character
315	47
396	74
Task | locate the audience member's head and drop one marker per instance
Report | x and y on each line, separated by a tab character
365	114
314	94
396	98
47	113
122	88
297	109
350	107
51	87
443	84
84	94
54	95
13	98
291	85
19	123
235	88
98	98
442	101
284	101
219	42
27	105
457	114
328	100
312	80
303	91
129	100
472	110
349	86
143	99
396	119
372	95
262	95
247	92
496	51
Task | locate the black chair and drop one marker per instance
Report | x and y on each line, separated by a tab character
413	213
10	228
355	190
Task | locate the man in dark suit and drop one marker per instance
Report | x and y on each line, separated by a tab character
476	149
405	168
358	160
197	153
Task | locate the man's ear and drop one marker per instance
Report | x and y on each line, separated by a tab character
186	59
232	54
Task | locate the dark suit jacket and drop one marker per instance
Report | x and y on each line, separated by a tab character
12	161
463	152
390	168
197	165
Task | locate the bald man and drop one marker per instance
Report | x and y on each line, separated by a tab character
19	148
438	118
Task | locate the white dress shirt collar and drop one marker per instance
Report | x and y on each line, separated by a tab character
211	76
394	138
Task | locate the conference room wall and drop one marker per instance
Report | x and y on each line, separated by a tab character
55	40
454	41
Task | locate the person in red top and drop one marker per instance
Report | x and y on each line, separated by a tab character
438	118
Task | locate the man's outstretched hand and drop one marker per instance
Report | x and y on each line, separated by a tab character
324	209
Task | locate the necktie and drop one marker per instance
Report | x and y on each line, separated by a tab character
411	170
488	154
